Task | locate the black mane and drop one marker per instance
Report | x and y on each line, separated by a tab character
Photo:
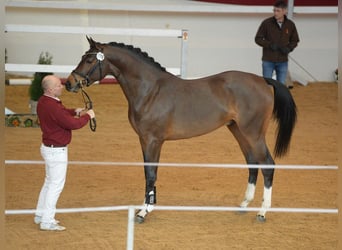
138	52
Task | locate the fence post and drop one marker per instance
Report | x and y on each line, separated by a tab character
184	53
130	228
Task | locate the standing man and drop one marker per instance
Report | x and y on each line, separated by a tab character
277	36
56	123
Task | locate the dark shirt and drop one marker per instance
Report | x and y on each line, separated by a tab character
269	33
57	122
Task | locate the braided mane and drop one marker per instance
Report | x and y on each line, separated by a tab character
140	53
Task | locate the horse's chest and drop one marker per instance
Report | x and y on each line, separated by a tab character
137	120
146	122
134	119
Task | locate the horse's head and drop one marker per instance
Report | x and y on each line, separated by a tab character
90	69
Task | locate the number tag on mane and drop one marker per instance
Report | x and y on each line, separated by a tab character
100	56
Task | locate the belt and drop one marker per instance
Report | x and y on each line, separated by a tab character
55	146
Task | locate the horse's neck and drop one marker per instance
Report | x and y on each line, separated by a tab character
137	79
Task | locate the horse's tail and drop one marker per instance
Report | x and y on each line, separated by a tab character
285	113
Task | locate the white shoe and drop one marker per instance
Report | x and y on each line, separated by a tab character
38	219
51	227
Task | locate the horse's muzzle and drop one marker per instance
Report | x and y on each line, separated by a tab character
69	88
67	85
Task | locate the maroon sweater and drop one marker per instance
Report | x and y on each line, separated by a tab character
57	122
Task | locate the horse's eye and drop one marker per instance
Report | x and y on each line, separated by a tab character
89	60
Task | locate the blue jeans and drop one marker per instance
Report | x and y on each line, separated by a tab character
280	69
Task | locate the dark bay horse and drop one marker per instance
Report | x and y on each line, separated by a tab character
163	107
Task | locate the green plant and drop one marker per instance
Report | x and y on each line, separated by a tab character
36	90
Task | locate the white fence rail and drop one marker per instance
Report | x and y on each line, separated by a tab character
197	165
93	30
15	67
12	67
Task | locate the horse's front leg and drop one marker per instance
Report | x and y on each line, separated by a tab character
151	153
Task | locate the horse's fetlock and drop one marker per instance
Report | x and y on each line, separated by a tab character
151	196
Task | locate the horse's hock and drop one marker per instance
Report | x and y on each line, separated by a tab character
313	143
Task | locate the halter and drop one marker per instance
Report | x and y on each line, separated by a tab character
100	57
88	103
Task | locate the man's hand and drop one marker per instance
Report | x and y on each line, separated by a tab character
91	113
274	46
78	111
285	50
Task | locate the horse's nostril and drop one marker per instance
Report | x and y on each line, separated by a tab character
67	85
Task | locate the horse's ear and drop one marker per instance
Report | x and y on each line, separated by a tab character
91	42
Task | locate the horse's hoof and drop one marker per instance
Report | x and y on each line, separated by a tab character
139	219
261	218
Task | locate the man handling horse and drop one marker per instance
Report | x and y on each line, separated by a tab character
56	123
277	36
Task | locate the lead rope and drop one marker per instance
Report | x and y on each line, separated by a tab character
89	105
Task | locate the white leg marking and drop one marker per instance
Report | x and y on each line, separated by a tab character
148	208
142	213
266	202
249	195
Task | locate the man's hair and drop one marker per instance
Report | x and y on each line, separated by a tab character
280	4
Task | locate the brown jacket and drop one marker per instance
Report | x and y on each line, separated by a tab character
270	33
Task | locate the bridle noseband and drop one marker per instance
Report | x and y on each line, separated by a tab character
86	82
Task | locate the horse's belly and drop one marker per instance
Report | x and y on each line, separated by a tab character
195	125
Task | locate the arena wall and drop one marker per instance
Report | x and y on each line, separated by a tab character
221	37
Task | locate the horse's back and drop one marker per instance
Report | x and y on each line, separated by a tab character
246	88
247	85
242	80
238	80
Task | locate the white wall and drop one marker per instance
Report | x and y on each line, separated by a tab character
217	41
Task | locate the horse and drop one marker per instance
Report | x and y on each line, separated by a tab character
162	106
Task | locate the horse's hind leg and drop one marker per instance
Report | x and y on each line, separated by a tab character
250	190
261	155
151	152
253	172
256	152
268	174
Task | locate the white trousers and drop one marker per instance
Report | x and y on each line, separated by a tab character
56	162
